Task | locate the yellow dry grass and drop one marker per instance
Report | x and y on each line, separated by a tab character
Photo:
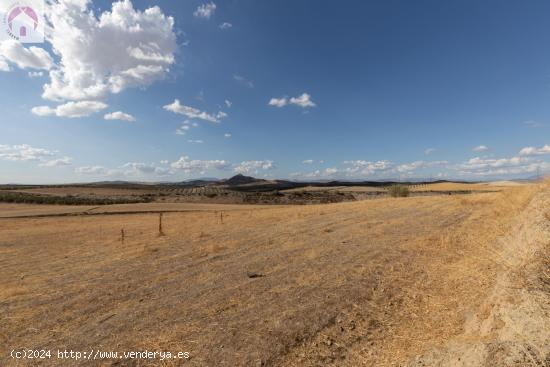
336	188
464	186
351	284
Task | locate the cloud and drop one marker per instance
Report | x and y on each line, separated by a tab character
278	102
24	152
118	49
205	11
480	148
227	135
327	172
91	170
418	165
13	52
503	166
225	25
4	64
529	151
228	103
243	80
35	74
303	101
190	166
70	109
378	169
194	113
119	115
367	168
253	166
140	169
430	151
195	141
65	161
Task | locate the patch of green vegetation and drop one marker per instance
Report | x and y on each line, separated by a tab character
398	191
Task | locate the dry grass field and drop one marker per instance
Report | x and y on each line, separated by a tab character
337	188
465	186
421	281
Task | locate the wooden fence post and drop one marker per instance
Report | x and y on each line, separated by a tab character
160	225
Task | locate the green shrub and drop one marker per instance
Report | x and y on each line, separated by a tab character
398	191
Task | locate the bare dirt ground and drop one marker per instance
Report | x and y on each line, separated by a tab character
420	281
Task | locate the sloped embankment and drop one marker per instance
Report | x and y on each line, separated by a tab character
512	327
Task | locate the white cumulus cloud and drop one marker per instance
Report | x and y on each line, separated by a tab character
535	151
70	109
107	53
278	102
14	52
119	115
189	166
26	152
502	166
303	101
253	166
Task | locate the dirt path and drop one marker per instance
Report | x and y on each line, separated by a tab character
377	283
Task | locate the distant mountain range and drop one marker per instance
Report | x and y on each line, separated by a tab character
241	182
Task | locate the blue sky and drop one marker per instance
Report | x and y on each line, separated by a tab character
306	90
